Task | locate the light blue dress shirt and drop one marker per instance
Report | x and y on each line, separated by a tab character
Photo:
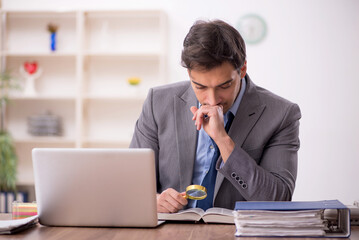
205	148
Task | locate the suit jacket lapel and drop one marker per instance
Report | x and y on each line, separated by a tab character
186	135
248	113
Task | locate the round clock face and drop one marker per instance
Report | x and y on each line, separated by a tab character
252	28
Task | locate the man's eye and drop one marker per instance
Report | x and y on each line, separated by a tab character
200	87
226	86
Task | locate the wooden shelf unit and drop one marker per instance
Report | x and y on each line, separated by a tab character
85	81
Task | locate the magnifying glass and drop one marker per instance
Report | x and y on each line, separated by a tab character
196	192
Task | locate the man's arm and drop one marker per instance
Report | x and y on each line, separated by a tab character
146	136
274	177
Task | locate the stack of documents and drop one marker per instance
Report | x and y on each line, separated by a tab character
291	219
279	223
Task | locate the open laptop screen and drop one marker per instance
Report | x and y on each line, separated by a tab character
95	187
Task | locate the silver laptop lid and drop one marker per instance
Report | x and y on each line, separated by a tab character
95	187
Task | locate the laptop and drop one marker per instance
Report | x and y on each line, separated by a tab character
95	187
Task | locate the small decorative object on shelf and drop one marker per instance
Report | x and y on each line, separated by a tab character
134	81
44	125
134	88
52	28
30	71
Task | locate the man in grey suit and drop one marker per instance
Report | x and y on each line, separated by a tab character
186	125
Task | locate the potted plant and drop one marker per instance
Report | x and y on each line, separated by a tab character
8	158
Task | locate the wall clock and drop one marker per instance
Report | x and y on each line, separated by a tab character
252	27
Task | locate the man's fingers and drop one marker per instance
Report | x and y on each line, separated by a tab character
175	205
170	201
202	115
183	201
163	205
167	207
193	110
176	198
199	121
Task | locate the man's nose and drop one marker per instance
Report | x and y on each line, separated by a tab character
213	98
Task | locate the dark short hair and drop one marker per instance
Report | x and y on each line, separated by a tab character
209	44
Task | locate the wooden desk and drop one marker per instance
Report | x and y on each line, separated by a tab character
168	231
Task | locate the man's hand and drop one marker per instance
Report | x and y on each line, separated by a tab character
211	119
171	201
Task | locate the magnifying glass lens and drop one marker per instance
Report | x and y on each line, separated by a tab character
196	192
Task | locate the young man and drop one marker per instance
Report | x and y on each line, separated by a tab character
219	129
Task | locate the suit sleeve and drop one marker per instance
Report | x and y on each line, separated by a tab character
145	133
273	178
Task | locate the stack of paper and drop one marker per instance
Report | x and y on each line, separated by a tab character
18	225
279	223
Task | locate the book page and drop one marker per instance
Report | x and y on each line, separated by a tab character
270	232
191	214
219	211
218	215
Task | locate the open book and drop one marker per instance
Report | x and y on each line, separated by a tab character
212	215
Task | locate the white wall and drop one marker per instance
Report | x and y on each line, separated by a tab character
310	56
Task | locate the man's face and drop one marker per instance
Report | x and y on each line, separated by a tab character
218	86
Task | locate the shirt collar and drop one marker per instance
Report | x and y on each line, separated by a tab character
238	100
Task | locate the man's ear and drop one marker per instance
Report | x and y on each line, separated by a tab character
243	70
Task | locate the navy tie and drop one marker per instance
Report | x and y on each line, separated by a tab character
210	179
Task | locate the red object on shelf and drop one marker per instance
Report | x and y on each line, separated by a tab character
30	67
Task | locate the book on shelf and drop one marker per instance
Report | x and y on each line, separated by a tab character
7	198
280	219
212	215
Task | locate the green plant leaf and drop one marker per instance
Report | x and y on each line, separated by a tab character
8	163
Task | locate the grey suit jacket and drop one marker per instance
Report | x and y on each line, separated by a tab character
263	164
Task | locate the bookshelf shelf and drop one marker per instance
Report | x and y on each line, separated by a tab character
106	143
128	98
39	54
43	98
125	55
53	140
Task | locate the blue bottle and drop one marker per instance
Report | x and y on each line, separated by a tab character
53	41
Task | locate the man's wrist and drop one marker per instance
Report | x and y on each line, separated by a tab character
226	147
